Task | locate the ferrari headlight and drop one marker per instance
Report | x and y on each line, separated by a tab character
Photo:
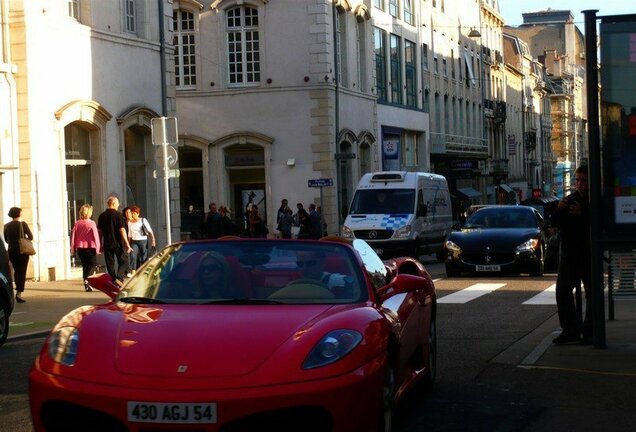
404	232
331	348
528	246
347	232
63	345
452	247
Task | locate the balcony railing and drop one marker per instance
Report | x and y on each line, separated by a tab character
457	144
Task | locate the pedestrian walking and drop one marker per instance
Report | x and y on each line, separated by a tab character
281	212
227	226
140	236
213	223
114	240
85	242
572	217
257	228
304	223
285	223
316	226
14	231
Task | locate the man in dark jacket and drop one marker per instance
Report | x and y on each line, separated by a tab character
572	217
114	240
213	223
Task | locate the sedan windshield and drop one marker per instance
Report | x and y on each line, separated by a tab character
493	217
242	272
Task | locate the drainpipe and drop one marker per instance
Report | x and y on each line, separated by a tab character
162	54
334	17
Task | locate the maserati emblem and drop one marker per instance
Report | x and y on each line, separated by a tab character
373	234
487	259
182	369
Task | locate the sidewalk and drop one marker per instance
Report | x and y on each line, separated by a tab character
47	302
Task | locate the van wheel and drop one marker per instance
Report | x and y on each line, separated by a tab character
415	252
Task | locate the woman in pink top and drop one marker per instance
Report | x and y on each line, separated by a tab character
85	241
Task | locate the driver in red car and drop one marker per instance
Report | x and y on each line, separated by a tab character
312	264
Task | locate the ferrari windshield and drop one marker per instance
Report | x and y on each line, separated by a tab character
383	201
249	272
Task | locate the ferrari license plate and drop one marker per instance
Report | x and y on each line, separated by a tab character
156	412
488	268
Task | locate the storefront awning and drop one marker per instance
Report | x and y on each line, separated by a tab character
506	188
469	193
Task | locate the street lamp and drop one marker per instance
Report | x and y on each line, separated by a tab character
475	34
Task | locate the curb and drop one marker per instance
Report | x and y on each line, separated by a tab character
27	336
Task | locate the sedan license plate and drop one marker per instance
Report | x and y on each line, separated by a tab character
488	268
156	412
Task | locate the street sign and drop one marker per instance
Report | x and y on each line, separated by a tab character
321	182
338	156
173	157
164	130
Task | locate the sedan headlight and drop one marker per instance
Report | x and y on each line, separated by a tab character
528	246
331	348
63	345
452	247
404	232
347	232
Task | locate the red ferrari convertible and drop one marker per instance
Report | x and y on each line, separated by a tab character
242	335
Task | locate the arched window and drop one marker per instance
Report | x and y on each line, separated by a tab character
243	46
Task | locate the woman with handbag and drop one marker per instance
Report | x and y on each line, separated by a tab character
141	238
85	241
19	238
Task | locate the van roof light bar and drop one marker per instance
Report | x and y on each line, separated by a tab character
388	176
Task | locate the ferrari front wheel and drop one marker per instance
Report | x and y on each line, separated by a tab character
388	400
431	367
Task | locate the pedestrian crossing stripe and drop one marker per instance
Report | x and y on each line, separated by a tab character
470	293
545	297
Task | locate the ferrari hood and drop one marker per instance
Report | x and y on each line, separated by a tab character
205	340
497	239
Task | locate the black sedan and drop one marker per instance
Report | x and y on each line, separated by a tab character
497	238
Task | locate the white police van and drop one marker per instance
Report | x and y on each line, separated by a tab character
399	212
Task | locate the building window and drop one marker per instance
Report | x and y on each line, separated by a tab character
130	16
409	65
379	41
185	49
452	64
408	11
424	56
435	64
341	49
396	70
74	9
393	8
444	68
135	154
243	46
361	57
378	4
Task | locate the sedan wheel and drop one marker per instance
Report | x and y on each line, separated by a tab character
451	272
4	321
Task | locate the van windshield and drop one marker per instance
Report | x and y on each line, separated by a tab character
383	201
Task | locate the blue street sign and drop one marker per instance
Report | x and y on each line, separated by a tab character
321	182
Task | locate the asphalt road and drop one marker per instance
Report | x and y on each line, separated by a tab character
480	385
